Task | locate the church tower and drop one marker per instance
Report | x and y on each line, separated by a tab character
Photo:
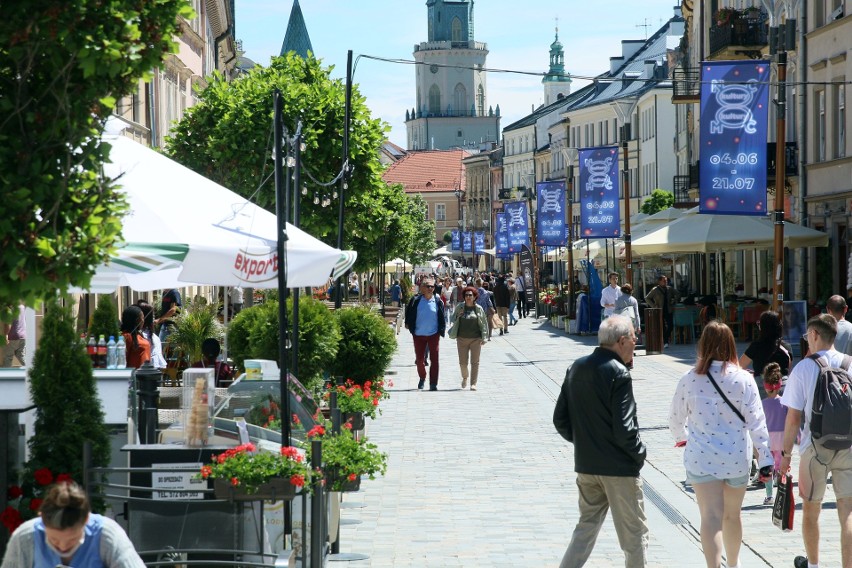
557	83
296	38
451	108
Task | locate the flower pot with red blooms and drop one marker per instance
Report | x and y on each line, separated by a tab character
276	489
353	398
346	459
244	473
355	419
25	500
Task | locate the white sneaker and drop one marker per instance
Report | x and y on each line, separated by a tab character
665	345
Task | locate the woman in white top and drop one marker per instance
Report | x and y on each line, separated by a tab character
719	437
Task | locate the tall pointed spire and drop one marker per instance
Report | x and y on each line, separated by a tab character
297	39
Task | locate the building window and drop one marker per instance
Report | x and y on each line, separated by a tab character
434	100
820	126
460	100
840	123
819	13
440	212
457	30
480	100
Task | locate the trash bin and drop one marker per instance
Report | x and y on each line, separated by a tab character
653	331
148	380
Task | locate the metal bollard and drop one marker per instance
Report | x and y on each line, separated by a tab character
317	508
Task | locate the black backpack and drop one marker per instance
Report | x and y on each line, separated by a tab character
831	419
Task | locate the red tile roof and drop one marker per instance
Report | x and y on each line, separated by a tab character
428	171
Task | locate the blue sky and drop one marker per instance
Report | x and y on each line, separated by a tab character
518	39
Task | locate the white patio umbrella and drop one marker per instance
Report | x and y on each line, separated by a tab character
708	233
183	229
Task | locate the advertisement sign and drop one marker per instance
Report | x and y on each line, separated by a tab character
599	192
734	102
501	237
550	213
516	214
456	244
467	241
527	269
479	241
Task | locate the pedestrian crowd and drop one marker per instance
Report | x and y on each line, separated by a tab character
737	418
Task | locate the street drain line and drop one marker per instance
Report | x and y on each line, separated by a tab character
672	514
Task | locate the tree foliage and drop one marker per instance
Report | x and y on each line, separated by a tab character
62	67
227	137
657	201
68	411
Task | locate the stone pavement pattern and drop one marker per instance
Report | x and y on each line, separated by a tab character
480	479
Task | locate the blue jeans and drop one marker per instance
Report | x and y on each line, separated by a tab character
512	318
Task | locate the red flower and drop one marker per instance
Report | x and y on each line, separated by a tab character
206	471
35	504
43	476
296	420
64	478
291	453
347	425
375	402
11	518
351	477
297	480
316	431
235	481
13	492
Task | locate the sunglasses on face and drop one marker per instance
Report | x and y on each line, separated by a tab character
468	295
428	286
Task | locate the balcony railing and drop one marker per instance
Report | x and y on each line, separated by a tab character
686	85
744	32
791	159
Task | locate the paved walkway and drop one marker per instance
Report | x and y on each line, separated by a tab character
481	479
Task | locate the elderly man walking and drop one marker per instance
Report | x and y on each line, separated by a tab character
596	412
424	318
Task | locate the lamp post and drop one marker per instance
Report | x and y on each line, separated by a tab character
459	193
628	252
780	167
570	155
530	196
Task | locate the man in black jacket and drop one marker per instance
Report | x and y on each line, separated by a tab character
501	300
596	412
424	318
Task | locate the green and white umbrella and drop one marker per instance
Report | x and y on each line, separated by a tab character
183	229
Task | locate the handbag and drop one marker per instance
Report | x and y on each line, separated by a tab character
785	504
496	321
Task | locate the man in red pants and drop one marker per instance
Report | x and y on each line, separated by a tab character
424	318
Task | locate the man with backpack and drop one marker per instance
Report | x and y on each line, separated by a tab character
820	386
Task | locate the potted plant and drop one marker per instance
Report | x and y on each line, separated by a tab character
197	321
356	401
245	474
367	344
345	459
724	16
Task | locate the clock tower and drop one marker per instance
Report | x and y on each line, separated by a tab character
451	108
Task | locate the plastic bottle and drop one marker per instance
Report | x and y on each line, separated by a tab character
92	351
102	353
111	353
120	353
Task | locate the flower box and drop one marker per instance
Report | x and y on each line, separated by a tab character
335	483
273	490
356	419
572	326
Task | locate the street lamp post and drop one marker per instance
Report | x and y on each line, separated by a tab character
628	252
780	166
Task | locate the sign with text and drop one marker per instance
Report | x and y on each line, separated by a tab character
501	237
178	485
599	191
550	213
516	215
456	239
734	104
467	241
478	242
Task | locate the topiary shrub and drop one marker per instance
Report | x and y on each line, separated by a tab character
68	410
104	318
239	331
367	344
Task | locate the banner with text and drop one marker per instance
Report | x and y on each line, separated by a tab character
519	235
456	239
550	213
478	242
467	241
599	191
734	103
501	237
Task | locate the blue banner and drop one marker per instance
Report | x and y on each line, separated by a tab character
550	213
501	237
516	216
478	242
734	103
467	241
599	192
456	239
